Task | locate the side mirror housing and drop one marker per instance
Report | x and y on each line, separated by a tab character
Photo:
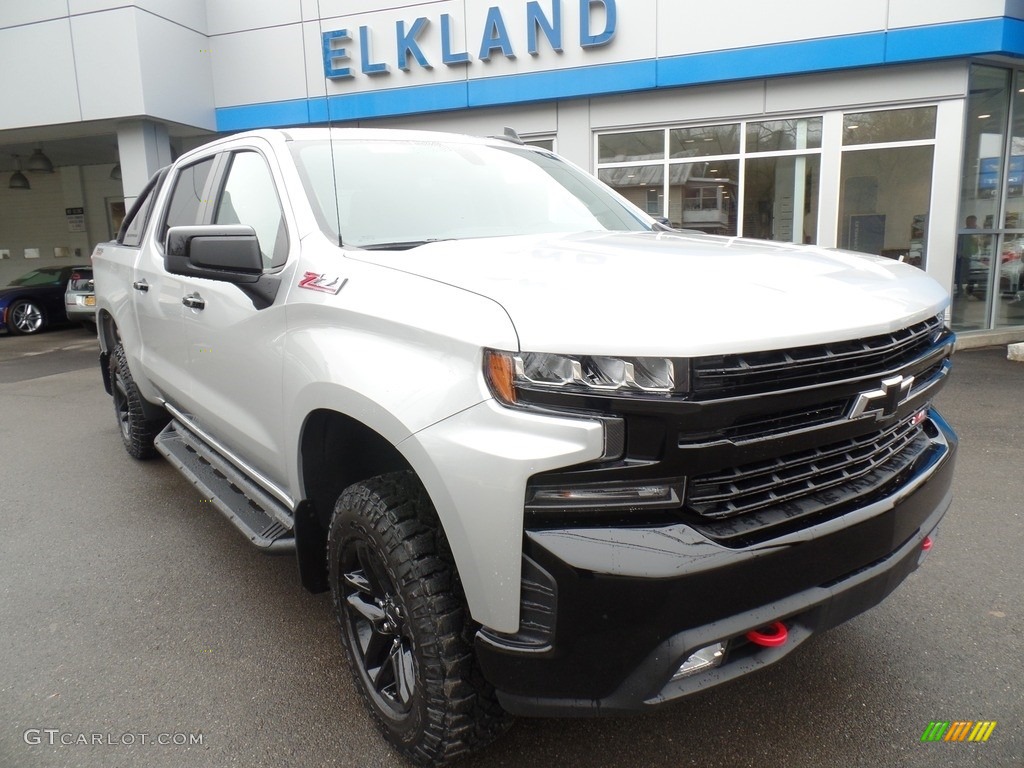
226	252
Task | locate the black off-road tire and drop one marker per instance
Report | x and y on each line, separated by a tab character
404	622
137	432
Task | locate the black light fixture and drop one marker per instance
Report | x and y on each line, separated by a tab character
115	173
39	162
18	179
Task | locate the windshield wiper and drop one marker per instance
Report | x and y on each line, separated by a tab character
402	245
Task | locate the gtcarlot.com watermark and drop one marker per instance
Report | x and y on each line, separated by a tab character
54	737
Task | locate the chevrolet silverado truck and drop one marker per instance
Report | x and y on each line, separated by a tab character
549	456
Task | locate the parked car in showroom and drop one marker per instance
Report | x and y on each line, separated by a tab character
80	298
36	299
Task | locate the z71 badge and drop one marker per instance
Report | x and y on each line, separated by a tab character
315	281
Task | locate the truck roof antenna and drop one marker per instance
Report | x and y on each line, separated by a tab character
511	135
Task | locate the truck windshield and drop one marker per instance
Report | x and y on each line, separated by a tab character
404	193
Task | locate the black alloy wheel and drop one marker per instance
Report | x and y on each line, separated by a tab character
404	622
377	630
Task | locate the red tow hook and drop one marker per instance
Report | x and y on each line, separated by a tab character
771	636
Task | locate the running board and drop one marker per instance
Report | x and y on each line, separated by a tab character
263	519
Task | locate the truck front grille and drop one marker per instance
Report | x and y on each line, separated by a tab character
799	482
722	376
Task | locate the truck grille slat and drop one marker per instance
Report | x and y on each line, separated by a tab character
722	376
751	487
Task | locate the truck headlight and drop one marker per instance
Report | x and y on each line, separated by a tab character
508	374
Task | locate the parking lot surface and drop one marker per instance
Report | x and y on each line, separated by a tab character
133	615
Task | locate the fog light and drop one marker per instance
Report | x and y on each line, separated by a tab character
701	661
667	495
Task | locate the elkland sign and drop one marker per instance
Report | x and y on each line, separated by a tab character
359	49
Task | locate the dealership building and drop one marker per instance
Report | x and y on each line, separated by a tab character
885	126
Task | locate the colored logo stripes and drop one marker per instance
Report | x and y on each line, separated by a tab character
959	730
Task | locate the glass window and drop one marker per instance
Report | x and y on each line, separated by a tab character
548	144
1010	286
187	197
778	135
37	277
642	185
914	124
703	196
705	141
461	190
134	225
698	185
781	198
630	147
884	201
250	197
981	196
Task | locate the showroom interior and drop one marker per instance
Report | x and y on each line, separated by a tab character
892	127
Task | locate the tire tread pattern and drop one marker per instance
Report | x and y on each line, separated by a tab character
142	431
460	711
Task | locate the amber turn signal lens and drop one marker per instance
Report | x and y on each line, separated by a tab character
498	368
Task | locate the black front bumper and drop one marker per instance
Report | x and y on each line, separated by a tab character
633	603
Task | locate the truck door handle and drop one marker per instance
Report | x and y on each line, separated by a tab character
140	285
194	300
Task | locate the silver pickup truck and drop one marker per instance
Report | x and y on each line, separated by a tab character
549	456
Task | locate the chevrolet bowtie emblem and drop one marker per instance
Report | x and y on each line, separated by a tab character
883	403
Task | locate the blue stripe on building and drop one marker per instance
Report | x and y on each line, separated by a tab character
918	44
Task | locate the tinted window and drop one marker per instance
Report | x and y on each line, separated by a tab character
134	225
81	280
52	276
187	196
250	197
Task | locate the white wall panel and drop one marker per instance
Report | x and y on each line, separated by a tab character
701	103
109	75
14	12
226	16
37	86
916	82
916	13
574	135
189	13
687	27
259	66
531	119
329	9
316	83
177	75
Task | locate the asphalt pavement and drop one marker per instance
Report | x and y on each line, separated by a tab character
131	613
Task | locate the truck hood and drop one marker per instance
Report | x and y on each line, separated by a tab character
650	293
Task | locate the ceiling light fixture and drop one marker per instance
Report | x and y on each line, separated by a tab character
18	179
38	162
